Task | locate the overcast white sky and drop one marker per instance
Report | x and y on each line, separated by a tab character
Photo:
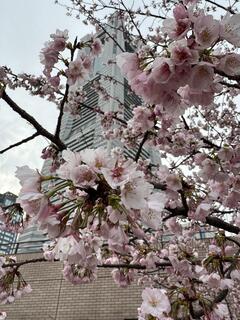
25	25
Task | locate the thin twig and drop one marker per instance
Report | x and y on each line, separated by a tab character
221	7
101	112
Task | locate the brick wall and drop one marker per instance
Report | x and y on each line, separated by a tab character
55	298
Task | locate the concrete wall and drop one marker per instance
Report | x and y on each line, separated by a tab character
55	298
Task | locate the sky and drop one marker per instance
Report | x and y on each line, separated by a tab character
25	26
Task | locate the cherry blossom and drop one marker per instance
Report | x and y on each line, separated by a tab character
155	302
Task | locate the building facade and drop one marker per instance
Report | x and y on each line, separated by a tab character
7	239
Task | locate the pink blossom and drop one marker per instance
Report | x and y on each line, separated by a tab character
27	289
27	176
214	249
153	216
226	283
134	193
202	211
128	64
233	199
83	176
117	235
152	219
3	315
181	267
96	159
48	57
170	100
51	225
162	69
206	30
196	97
123	278
213	280
173	226
59	38
176	29
120	173
230	64
230	29
76	72
73	160
96	47
180	52
201	76
155	302
142	119
180	12
87	62
54	81
30	196
68	248
173	182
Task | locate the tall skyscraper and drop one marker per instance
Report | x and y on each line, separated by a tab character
86	131
7	239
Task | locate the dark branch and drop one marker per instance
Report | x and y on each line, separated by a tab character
33	136
59	121
221	7
230	85
223	74
212	221
218	223
138	154
40	130
107	265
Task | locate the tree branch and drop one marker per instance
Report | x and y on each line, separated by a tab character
105	265
40	130
221	7
220	297
218	223
33	136
98	110
138	154
61	112
212	221
91	17
223	74
140	13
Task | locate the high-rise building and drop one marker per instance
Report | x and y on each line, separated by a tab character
7	239
86	131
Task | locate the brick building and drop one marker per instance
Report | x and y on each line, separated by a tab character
55	298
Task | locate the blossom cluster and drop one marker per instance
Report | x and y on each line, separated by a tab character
184	73
11	218
12	284
100	196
